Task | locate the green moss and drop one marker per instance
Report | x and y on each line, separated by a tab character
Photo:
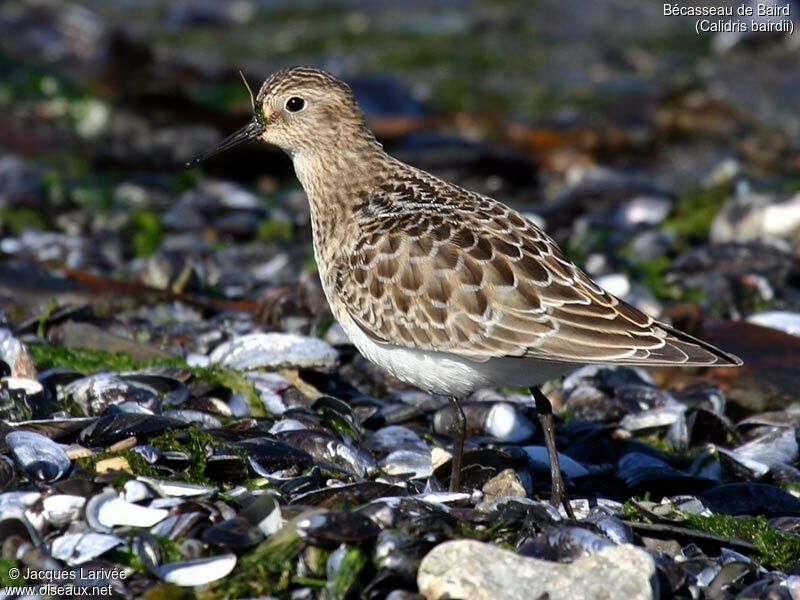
93	194
310	263
693	212
777	550
790	184
192	441
185	179
169	549
41	327
631	512
233	380
273	230
345	582
7	563
15	220
169	591
653	275
253	483
146	232
87	360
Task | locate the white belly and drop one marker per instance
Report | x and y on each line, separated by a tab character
449	374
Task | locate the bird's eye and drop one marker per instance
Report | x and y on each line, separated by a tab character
295	104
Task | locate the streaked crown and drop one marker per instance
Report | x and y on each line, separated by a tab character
303	109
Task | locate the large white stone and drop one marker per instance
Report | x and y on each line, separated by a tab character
478	571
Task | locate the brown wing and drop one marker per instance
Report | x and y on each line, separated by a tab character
477	279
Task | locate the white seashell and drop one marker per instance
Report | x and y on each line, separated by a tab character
61	509
78	548
107	510
30	386
287	425
775	448
653	418
272	522
443	498
392	437
265	513
507	424
176	489
415	463
136	491
275	351
197	572
650	210
197	360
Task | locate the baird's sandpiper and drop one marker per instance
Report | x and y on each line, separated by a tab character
446	289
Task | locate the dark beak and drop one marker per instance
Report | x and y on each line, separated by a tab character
250	131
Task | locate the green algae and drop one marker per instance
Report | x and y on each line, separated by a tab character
16	220
137	463
777	550
267	569
233	380
7	563
274	230
193	442
88	360
694	211
346	581
168	591
146	232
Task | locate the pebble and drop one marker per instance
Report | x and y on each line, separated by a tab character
504	484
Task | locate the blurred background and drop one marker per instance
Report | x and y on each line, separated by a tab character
665	162
144	298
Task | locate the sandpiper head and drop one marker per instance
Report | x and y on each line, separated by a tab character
300	109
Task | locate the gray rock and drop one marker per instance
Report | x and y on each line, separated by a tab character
470	569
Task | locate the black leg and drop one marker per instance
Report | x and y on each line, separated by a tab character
459	430
544	411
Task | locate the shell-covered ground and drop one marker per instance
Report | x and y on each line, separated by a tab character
181	417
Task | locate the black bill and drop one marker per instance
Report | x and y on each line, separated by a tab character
250	131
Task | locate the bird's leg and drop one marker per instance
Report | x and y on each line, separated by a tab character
544	410
459	429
